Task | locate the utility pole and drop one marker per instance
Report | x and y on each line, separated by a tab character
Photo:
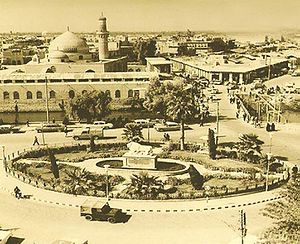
243	223
218	124
47	102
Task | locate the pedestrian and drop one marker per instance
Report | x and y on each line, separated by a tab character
53	120
35	141
17	192
66	131
27	123
237	115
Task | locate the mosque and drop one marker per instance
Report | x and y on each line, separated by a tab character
69	69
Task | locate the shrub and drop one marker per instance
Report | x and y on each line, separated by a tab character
197	179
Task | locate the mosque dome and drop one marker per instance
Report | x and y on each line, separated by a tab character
68	42
57	55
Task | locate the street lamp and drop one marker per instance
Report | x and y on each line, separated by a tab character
106	166
269	156
4	158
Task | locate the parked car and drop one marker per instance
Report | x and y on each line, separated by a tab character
5	129
70	242
144	122
95	210
87	133
50	127
103	124
169	126
17	129
4	236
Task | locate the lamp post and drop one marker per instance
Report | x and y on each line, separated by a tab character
269	156
106	166
4	158
47	102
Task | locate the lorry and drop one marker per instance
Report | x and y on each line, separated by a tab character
92	209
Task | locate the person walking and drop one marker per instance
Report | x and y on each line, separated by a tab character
35	141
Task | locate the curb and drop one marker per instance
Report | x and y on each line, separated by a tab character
160	210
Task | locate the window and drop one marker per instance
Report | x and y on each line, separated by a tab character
52	94
71	94
39	95
107	92
19	81
29	95
117	94
7	81
5	95
130	93
16	95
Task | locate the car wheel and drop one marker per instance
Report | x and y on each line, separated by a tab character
96	137
111	220
89	217
76	138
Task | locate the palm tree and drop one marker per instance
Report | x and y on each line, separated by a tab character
181	106
78	181
133	132
249	148
144	186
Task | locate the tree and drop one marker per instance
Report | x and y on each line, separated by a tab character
91	105
249	148
78	181
286	213
197	179
144	186
92	143
144	48
177	102
133	132
212	147
54	166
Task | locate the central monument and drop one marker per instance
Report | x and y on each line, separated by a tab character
139	157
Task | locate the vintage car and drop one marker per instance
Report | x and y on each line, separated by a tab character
50	127
95	210
169	126
87	133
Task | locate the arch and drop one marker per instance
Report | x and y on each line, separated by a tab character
108	93
18	62
16	95
71	94
80	57
130	70
29	95
52	94
5	95
138	70
90	71
84	92
130	93
39	95
13	62
117	94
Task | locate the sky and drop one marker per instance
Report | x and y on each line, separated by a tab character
149	15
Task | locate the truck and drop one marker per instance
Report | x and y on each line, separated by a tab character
92	209
87	133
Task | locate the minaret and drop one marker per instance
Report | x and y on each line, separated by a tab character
103	39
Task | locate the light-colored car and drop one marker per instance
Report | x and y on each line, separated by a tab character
87	133
103	124
169	126
144	123
70	242
4	236
50	127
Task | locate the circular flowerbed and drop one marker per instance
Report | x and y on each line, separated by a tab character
202	179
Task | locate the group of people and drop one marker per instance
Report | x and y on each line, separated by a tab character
18	193
166	137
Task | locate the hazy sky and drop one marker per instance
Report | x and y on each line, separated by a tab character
149	15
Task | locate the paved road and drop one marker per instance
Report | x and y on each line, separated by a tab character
41	223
